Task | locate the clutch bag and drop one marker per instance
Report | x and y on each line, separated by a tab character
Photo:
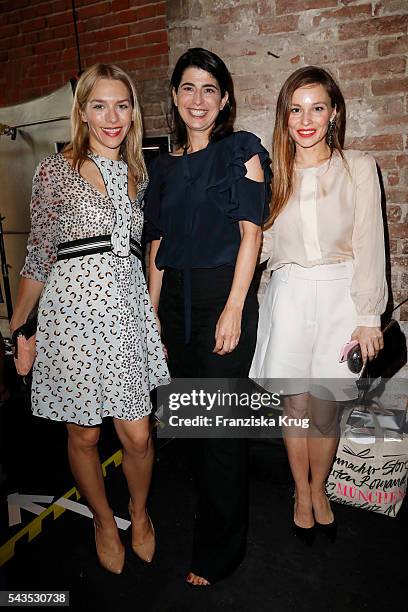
389	360
392	357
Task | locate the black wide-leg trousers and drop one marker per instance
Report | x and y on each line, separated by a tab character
219	465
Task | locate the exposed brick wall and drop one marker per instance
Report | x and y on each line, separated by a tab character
363	43
38	50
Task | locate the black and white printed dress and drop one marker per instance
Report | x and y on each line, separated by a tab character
99	351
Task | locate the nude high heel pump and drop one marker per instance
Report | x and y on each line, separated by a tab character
146	549
110	561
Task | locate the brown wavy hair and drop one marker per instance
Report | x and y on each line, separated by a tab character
283	147
131	148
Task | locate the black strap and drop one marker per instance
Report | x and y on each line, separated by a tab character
393	310
400	304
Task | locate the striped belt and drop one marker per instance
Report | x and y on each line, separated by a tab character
92	245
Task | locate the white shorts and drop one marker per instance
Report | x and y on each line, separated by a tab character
305	318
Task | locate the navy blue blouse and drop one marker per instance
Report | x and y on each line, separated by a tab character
194	202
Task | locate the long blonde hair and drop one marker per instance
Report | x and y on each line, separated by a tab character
283	147
131	148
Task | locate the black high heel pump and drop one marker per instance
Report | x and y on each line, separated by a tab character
329	530
305	534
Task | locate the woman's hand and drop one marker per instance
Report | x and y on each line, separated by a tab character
228	330
26	355
370	340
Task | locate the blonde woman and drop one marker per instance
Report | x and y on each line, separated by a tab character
98	349
328	283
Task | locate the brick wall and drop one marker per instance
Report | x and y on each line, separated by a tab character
38	51
363	43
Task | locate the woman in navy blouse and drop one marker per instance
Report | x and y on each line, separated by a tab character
205	205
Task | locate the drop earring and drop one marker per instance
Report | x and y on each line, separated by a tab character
330	132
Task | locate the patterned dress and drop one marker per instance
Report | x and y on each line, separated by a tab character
99	351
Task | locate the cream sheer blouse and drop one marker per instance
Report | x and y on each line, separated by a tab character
334	215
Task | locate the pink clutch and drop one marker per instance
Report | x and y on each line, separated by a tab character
346	350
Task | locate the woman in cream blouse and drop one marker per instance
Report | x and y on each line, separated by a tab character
326	249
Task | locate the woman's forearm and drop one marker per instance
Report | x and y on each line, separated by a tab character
228	328
29	292
155	275
245	264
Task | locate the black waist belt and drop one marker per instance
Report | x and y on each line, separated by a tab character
92	245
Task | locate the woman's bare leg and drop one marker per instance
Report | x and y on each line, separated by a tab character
86	468
138	455
322	443
296	406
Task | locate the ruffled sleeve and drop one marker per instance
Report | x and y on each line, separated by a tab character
41	245
240	198
153	227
